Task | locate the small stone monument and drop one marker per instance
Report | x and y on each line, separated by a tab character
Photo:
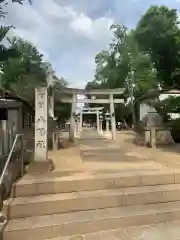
155	132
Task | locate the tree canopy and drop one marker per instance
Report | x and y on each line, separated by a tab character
22	65
142	59
114	66
158	34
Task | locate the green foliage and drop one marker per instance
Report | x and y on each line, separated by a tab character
169	105
23	73
174	125
5	53
23	68
143	59
62	110
122	112
4	3
172	104
115	66
158	34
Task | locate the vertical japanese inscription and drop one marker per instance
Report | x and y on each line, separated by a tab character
41	124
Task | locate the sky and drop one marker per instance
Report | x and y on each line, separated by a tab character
71	32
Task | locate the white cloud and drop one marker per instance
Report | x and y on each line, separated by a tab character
70	32
67	36
81	24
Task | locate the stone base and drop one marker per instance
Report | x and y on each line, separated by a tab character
40	167
163	136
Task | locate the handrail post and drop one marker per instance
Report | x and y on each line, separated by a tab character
21	151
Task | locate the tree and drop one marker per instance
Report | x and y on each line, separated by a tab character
115	66
123	65
158	34
23	73
112	65
168	106
4	51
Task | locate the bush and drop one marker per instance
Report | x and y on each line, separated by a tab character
175	129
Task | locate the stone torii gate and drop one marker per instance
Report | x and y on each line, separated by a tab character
96	111
44	104
108	98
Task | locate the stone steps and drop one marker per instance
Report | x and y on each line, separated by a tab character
161	231
50	206
39	205
48	184
82	222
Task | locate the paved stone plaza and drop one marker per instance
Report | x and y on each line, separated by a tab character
95	154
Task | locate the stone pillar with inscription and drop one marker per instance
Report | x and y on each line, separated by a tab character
41	162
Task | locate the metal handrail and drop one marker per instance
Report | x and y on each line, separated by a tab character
10	155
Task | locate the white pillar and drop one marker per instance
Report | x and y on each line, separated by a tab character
72	120
41	109
79	127
75	129
113	119
153	136
97	120
81	120
101	129
107	125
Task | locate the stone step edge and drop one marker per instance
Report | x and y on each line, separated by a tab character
92	194
67	185
90	176
95	215
119	231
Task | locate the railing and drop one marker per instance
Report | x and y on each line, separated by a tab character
6	140
19	149
10	155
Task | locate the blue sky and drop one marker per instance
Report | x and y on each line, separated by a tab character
70	32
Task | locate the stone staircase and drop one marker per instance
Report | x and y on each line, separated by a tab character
53	207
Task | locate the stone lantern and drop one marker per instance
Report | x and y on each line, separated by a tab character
100	122
107	118
77	124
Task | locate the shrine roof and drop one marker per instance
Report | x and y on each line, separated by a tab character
9	95
9	103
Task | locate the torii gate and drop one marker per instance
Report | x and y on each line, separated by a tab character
96	111
45	104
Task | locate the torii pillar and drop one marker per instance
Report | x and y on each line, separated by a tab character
72	120
113	119
81	120
97	115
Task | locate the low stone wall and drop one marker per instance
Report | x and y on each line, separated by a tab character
163	137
